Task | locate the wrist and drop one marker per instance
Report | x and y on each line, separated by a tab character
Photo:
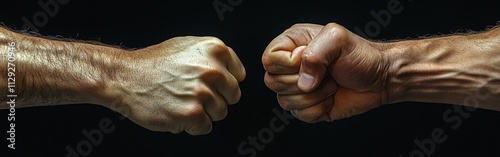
399	57
106	89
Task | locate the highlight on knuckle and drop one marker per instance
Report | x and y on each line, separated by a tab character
216	46
337	31
193	111
310	58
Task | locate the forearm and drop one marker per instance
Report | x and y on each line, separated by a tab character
49	72
462	69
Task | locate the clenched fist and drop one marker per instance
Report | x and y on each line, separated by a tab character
326	73
182	84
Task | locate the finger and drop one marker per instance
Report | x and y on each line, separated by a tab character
301	101
230	90
200	126
283	62
215	106
315	113
235	67
319	54
279	57
226	85
282	84
218	51
196	121
224	81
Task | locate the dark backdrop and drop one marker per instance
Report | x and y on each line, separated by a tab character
390	130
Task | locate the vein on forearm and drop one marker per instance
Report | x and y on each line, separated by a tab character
448	69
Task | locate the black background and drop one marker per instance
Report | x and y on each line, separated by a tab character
386	131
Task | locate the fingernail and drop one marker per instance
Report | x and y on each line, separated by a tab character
306	81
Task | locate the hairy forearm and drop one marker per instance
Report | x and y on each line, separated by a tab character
460	69
50	72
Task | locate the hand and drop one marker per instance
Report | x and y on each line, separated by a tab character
182	84
325	73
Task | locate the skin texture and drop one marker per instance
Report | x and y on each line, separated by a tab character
327	73
182	84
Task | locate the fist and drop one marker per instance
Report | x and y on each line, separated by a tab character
325	73
182	84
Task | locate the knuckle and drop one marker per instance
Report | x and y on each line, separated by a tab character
337	31
267	62
215	45
193	111
310	58
332	25
214	41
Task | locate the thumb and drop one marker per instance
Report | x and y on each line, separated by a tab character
319	54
